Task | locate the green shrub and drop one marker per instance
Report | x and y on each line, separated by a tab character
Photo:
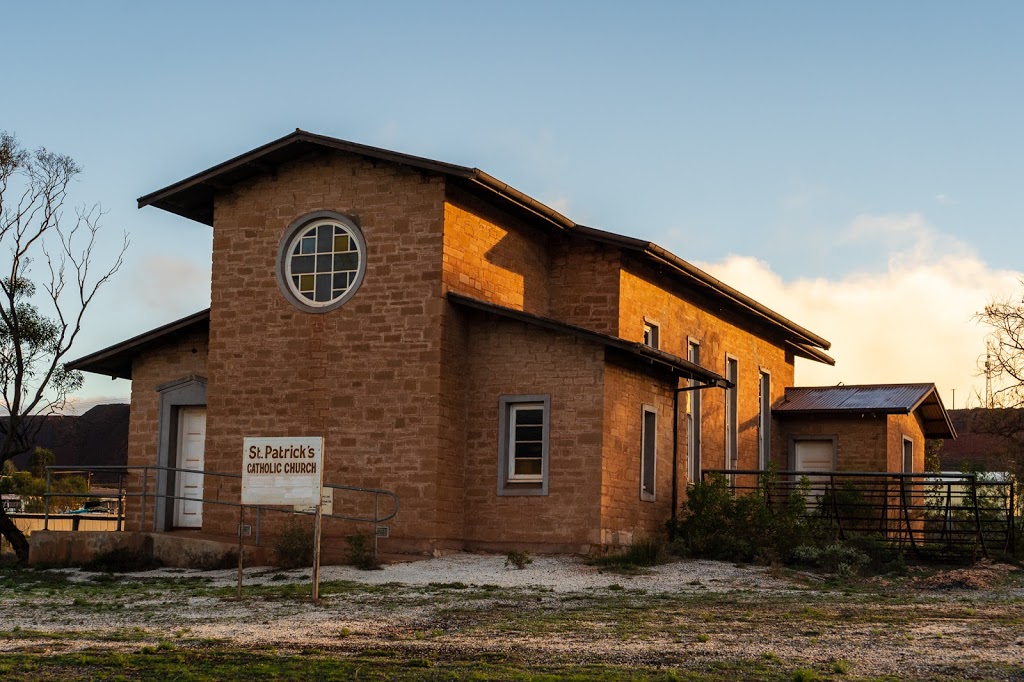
518	559
764	525
361	552
293	545
772	525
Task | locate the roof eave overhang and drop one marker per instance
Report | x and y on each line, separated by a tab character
809	352
932	428
116	361
192	197
800	336
666	361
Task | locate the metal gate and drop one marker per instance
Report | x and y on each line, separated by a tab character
934	516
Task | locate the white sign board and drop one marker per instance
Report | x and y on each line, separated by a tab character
287	470
326	503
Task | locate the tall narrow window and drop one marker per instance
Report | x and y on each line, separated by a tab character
523	445
651	335
693	418
908	456
731	423
648	452
764	420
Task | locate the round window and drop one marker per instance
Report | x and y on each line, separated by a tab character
322	261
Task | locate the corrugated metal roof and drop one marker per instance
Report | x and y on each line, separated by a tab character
877	398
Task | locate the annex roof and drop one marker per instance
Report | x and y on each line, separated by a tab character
116	361
644	353
872	398
193	198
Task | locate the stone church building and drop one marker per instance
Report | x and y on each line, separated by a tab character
517	379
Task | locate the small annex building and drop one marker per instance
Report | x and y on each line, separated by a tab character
517	379
878	428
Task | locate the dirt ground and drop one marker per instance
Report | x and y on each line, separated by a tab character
955	624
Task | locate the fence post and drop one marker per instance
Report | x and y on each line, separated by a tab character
376	496
906	513
1013	520
120	501
977	514
835	505
46	498
145	488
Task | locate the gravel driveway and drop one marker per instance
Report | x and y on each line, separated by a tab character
685	615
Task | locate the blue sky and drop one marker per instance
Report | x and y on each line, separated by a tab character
857	166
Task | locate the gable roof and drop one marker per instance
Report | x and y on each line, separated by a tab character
116	361
193	198
874	398
653	356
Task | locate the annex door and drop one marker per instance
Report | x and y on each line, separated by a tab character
814	455
188	513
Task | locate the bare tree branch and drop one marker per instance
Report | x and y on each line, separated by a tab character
38	326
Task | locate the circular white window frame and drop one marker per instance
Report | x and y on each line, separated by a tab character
284	253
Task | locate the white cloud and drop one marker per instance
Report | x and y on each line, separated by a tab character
912	322
944	199
559	203
174	286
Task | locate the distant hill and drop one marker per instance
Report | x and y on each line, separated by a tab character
98	437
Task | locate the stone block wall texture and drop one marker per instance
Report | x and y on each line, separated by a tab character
682	315
909	426
862	441
366	375
180	357
624	515
511	358
493	256
585	284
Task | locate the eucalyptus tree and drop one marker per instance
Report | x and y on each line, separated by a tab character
48	280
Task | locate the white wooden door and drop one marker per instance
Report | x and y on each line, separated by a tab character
814	455
188	513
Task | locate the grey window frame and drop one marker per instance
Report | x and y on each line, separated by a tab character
903	455
284	251
693	417
731	414
652	340
645	468
187	391
764	418
506	485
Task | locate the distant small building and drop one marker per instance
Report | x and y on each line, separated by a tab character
987	440
879	427
12	504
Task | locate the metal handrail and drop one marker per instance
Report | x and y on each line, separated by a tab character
145	494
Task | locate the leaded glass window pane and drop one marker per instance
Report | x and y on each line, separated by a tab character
323	262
